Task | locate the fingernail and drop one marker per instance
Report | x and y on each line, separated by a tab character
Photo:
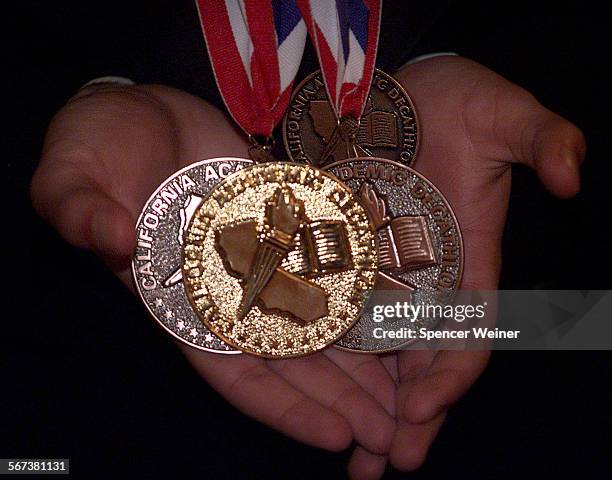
569	157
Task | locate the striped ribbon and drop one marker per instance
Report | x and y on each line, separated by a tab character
345	36
255	48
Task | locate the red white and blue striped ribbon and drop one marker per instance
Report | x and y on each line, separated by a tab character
255	48
345	36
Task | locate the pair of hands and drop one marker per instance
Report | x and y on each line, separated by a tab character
110	147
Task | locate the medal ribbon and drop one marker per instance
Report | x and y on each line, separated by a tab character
345	36
255	48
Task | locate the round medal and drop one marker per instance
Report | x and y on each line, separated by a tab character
279	260
156	264
388	127
420	248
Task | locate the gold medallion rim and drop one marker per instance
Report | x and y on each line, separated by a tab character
365	296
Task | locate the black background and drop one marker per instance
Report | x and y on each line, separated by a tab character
86	375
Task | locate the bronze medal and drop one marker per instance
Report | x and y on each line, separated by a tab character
419	241
388	127
279	260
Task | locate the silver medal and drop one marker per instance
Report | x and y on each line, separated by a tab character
156	264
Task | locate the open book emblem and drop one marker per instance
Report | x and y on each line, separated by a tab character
404	242
377	129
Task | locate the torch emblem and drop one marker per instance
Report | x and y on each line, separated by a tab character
277	261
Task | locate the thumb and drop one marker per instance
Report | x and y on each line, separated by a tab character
79	208
546	142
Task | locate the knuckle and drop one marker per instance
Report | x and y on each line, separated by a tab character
251	374
366	368
348	394
493	104
290	417
112	108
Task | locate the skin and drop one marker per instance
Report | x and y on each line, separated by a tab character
109	147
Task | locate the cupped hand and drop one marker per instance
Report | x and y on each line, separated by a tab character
474	126
109	147
105	152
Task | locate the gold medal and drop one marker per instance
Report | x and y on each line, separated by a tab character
279	260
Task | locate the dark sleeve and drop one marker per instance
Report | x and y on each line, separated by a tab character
66	44
403	28
161	42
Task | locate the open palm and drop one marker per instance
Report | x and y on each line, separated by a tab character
108	149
